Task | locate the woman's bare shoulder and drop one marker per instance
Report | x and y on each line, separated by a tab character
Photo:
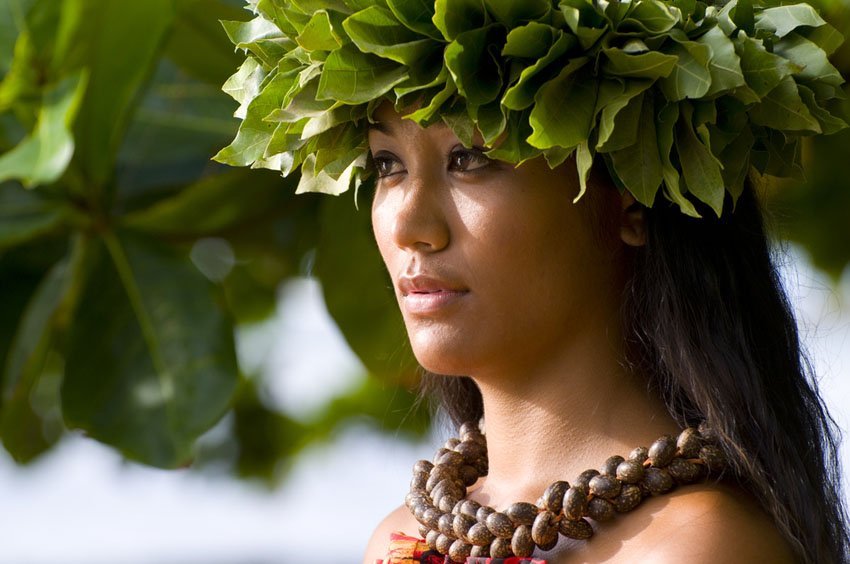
698	524
399	520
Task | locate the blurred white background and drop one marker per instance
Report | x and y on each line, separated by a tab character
82	504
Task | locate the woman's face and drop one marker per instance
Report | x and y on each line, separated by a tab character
492	265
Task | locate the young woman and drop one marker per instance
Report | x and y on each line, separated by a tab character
587	329
571	314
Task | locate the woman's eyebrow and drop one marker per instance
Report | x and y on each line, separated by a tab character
381	126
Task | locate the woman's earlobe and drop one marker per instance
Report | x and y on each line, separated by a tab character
632	221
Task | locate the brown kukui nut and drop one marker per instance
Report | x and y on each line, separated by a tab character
630	471
522	513
422	466
522	544
461	525
575	502
500	525
469	507
431	539
662	451
629	498
480	551
479	535
445	524
600	509
501	548
444	542
583	479
579	530
418	481
483	512
639	454
713	457
605	485
468	475
610	466
657	480
544	530
683	471
459	550
553	497
688	443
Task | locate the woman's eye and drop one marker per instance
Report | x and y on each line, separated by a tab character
385	165
468	160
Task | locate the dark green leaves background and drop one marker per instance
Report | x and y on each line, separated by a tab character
109	114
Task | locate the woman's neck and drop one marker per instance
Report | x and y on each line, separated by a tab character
561	417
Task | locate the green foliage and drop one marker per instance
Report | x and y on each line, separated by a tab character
108	326
481	64
126	256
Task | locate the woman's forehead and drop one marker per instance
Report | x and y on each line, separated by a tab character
390	122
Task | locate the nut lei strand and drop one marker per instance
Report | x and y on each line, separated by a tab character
459	527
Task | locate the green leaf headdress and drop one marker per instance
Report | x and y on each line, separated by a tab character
677	96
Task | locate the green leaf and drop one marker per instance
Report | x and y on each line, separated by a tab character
416	15
43	157
783	109
376	30
514	148
425	114
12	23
254	133
826	37
724	65
645	65
195	44
782	20
700	167
564	108
809	57
530	41
649	16
762	70
829	123
319	34
736	163
453	17
690	77
353	77
474	66
213	204
244	35
26	215
165	365
639	166
322	182
510	13
521	94
665	124
620	117
36	338
123	40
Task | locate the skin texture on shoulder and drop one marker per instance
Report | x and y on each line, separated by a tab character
697	524
399	520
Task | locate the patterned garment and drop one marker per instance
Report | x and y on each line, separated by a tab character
411	550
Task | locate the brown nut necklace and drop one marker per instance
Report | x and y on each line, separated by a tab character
459	527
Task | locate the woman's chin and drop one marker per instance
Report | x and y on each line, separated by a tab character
443	355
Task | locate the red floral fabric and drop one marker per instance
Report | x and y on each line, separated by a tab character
405	549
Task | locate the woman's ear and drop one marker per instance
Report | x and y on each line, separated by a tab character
632	221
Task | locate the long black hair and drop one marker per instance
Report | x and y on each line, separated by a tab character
706	318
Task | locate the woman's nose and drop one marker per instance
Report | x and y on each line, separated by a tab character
420	221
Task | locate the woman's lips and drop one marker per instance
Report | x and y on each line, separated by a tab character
422	294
